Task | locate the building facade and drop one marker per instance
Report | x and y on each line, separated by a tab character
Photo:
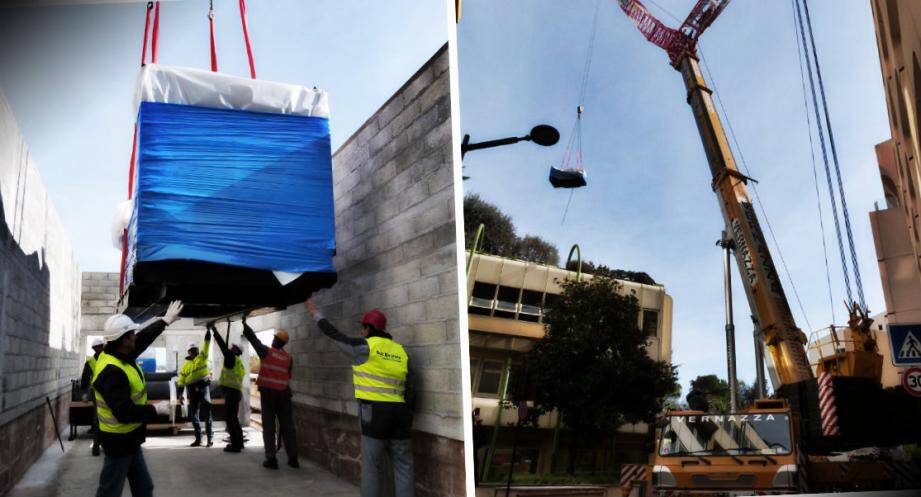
899	43
897	224
506	302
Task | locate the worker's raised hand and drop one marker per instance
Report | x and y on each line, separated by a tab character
172	312
311	307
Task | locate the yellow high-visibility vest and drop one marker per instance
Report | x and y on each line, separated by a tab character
107	421
233	377
382	377
91	360
196	368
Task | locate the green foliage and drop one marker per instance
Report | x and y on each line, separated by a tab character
589	267
500	237
534	249
748	394
673	399
711	393
592	365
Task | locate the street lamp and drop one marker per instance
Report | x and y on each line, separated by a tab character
542	134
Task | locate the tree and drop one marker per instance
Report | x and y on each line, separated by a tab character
499	238
673	399
535	249
710	393
592	365
748	394
589	267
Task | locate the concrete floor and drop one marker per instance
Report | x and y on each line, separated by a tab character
180	471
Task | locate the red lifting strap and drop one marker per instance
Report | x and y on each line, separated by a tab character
213	48
156	34
146	30
249	49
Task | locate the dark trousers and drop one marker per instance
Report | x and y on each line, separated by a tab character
277	404
115	470
200	407
95	429
386	428
232	398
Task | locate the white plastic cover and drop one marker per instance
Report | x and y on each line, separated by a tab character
120	222
188	86
285	278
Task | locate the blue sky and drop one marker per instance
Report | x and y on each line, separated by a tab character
68	74
648	205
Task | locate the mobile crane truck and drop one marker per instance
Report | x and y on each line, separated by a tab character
827	430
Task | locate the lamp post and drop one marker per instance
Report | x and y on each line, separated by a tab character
542	134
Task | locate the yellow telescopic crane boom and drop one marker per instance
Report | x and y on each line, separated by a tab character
763	287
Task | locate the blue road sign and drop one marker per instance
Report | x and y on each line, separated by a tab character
905	340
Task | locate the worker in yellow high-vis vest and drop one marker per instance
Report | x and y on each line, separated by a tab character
121	403
231	383
86	380
195	377
383	383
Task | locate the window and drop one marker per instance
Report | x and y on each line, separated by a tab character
650	323
530	305
904	124
916	76
507	298
892	8
483	295
490	378
882	32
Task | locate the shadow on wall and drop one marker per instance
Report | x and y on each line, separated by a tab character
25	295
26	428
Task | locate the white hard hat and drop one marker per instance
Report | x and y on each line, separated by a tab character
97	342
192	345
118	325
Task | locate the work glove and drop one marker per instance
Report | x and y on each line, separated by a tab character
172	312
162	408
245	326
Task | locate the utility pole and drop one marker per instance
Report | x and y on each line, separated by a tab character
727	244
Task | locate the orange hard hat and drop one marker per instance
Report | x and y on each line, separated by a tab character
375	318
282	335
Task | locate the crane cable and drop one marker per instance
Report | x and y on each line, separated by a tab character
738	150
815	174
834	153
575	138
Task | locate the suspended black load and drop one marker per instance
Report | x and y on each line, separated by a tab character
567	178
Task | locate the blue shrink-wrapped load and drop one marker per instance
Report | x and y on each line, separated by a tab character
233	204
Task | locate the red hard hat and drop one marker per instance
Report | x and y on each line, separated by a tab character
376	319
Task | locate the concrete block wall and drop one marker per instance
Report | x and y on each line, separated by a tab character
39	308
97	302
396	251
